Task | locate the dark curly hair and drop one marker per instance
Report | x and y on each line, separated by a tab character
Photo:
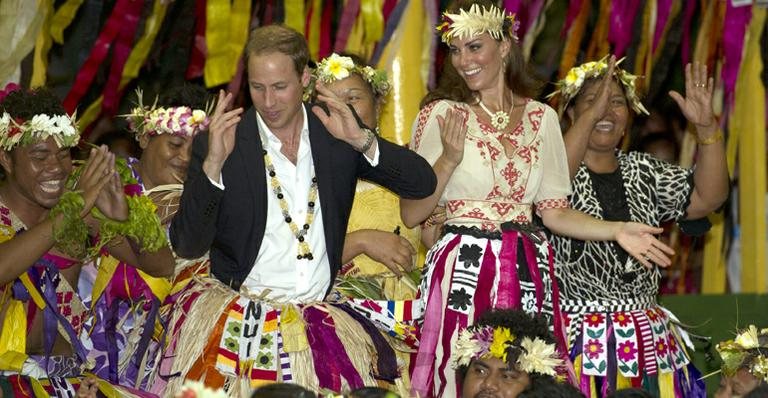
543	386
520	324
187	94
25	104
518	76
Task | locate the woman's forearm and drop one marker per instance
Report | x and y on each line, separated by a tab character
413	211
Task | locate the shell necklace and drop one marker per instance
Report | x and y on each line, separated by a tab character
500	119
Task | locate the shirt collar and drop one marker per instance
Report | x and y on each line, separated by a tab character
267	136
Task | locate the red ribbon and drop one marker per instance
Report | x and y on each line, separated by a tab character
663	9
123	14
573	11
123	46
199	50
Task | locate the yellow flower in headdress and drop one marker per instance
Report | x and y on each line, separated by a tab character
337	66
748	338
502	337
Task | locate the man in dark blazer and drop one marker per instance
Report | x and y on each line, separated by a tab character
253	188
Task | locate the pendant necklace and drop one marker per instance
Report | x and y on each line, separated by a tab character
500	119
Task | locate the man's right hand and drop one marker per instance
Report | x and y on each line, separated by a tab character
221	135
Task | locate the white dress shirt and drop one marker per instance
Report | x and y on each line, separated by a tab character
277	274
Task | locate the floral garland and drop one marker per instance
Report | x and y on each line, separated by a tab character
17	131
749	350
476	21
574	80
337	67
177	120
142	225
536	356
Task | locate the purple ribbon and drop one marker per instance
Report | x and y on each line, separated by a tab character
386	363
392	23
485	280
328	353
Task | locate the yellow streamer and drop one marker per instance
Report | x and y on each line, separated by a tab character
292	328
313	36
134	62
13	360
42	46
38	389
63	17
294	15
748	121
13	337
226	32
373	20
11	58
408	46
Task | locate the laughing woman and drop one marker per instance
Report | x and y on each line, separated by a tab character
605	293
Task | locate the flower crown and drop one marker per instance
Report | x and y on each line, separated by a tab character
574	80
17	131
176	120
748	350
536	356
476	21
337	67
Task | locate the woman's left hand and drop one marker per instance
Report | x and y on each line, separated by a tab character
638	240
697	103
111	200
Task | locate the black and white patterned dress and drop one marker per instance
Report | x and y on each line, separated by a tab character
617	334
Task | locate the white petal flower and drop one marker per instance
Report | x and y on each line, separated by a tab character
538	357
748	338
42	123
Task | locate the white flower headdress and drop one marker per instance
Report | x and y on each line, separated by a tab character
574	80
749	350
336	67
16	131
177	120
536	356
476	21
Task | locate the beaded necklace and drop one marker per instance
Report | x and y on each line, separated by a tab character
299	233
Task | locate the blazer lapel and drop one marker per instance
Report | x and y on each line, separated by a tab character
249	146
321	152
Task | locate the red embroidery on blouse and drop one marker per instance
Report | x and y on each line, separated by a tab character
553	204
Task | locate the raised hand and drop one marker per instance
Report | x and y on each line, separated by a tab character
638	240
111	199
96	174
339	121
221	134
599	104
697	103
453	132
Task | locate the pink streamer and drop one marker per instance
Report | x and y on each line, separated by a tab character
734	29
482	299
508	293
423	368
623	14
664	8
512	6
453	321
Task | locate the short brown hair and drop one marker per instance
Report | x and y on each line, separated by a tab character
282	39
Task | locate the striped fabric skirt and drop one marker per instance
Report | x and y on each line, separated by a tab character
238	343
467	272
635	343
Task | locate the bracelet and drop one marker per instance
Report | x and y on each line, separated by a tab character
368	141
711	140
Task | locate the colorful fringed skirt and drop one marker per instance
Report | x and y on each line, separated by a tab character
635	343
467	272
236	342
